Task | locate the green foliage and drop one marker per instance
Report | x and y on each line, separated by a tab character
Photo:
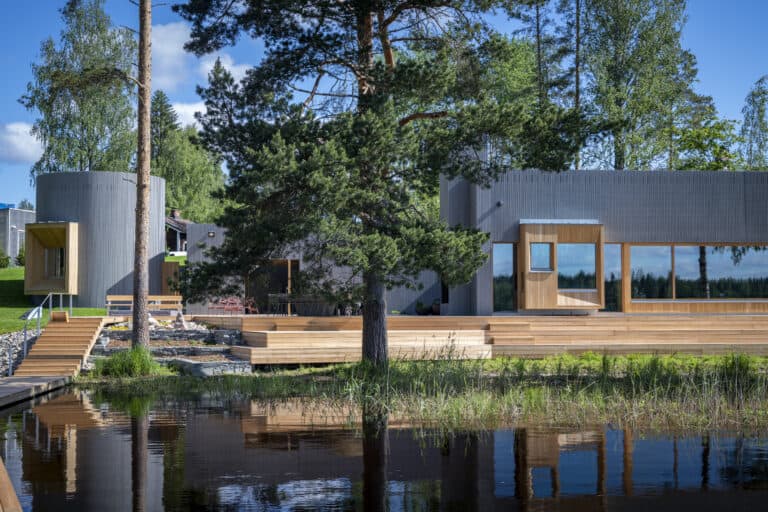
81	93
699	393
754	129
342	179
136	362
709	147
5	260
193	176
21	257
639	74
25	204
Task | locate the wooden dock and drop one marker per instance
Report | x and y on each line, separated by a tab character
296	340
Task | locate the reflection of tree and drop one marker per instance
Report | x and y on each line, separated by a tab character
582	280
650	286
504	293
139	452
375	451
612	292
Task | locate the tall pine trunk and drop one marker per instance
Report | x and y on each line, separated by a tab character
577	79
539	57
374	304
141	259
375	348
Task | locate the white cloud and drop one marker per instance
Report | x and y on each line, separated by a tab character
237	70
18	145
186	112
170	62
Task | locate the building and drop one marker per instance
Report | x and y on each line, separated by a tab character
12	231
638	242
176	233
580	242
82	241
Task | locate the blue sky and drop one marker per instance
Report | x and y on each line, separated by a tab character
728	38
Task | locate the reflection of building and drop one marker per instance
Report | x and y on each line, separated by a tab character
82	243
68	454
689	242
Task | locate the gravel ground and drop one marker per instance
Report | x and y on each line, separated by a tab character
13	341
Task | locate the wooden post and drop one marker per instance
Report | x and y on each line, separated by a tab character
626	279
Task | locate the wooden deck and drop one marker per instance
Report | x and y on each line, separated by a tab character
62	348
296	340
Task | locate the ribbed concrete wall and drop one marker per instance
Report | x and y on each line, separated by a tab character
634	206
104	205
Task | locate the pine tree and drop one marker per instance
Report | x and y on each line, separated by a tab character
337	171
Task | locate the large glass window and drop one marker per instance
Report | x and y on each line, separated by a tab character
541	257
576	267
612	273
651	271
708	272
504	296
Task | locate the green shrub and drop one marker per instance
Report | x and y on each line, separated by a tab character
137	362
5	260
20	258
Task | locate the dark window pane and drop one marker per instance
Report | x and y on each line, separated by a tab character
541	257
651	271
576	266
504	277
612	271
736	272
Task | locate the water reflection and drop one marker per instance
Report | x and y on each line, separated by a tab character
74	452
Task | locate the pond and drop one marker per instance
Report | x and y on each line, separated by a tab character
77	451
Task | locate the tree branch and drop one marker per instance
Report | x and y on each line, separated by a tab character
422	115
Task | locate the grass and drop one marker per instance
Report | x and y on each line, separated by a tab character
13	302
181	260
650	392
136	362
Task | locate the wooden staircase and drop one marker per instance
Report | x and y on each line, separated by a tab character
62	348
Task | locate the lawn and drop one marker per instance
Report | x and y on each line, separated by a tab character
13	302
181	260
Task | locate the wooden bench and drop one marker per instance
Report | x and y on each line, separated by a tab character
161	304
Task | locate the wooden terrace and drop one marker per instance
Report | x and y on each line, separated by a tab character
297	340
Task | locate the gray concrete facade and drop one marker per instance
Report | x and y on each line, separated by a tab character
12	233
633	206
104	205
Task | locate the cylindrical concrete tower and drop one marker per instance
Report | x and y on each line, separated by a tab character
104	206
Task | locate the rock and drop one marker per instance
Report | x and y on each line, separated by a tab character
180	323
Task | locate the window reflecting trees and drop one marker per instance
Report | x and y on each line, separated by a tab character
576	266
710	272
651	271
504	289
612	276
